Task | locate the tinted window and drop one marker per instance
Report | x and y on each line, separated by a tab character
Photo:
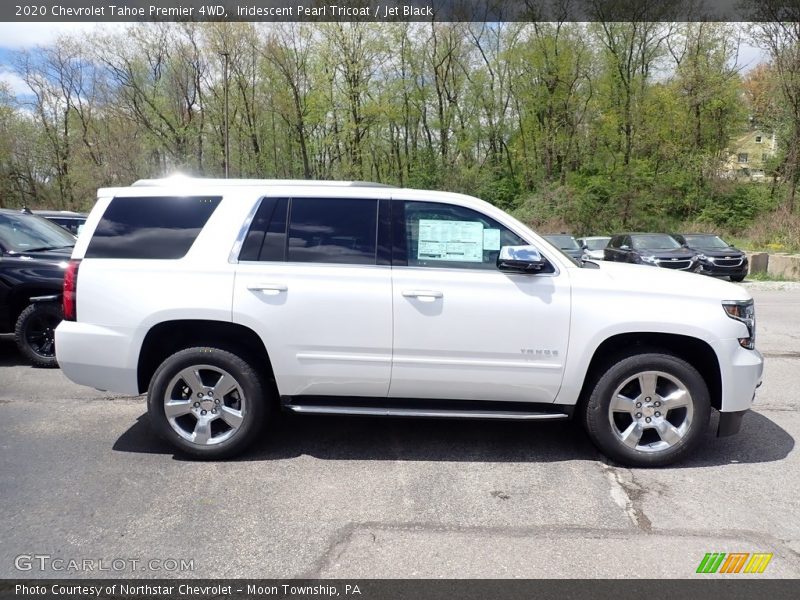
446	235
333	230
266	238
654	242
159	227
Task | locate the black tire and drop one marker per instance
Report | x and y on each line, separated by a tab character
34	333
738	278
254	407
606	433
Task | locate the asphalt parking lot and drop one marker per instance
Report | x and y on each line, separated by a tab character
82	477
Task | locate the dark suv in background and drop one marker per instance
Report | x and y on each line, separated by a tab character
69	220
33	258
715	256
654	249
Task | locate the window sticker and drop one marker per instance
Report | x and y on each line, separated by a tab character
491	239
458	241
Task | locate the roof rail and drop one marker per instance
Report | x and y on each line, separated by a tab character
175	179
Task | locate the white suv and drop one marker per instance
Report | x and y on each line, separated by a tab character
228	300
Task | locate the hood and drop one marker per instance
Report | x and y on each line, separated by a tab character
54	256
638	278
720	252
679	253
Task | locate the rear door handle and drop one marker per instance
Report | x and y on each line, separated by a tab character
422	295
270	289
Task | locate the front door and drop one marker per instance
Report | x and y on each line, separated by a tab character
462	328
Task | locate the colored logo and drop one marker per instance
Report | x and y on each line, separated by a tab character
734	562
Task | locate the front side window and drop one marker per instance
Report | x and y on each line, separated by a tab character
333	230
449	236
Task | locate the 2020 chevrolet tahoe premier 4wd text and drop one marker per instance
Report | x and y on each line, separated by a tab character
228	300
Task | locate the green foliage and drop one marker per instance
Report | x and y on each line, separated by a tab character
591	128
735	206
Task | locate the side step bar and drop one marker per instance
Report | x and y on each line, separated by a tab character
423	412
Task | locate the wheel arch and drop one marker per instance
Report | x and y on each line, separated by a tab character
168	337
695	351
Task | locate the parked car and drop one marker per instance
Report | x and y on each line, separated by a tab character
567	244
654	249
594	246
715	256
226	301
71	221
33	258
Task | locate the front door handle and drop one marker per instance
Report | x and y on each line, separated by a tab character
422	295
270	289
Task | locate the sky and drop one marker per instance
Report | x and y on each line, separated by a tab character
19	36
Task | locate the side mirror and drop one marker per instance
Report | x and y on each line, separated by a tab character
520	259
684	245
625	247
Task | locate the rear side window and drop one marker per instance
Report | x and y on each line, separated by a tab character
340	230
266	239
159	227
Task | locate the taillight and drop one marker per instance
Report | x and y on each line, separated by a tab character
70	296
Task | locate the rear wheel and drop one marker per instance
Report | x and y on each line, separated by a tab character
648	410
208	402
35	333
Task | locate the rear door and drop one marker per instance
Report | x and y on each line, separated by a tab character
315	283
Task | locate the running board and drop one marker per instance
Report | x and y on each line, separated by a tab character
427	413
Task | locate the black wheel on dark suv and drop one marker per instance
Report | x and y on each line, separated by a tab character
209	402
35	333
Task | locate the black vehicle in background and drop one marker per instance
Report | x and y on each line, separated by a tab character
69	220
567	244
33	256
715	256
654	249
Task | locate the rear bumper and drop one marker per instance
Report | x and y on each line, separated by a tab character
97	357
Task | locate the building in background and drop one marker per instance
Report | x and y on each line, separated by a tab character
749	154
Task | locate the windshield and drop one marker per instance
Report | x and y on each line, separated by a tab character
564	242
654	242
597	243
26	233
705	241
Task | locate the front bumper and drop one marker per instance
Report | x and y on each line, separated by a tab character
741	370
718	271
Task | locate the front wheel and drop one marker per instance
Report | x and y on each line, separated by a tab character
35	333
208	402
648	410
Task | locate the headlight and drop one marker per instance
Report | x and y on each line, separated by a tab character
744	311
649	259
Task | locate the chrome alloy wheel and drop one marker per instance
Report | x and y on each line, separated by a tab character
204	404
651	411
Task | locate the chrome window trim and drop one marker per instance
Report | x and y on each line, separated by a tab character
233	256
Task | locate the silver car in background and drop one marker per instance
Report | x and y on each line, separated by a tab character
593	246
